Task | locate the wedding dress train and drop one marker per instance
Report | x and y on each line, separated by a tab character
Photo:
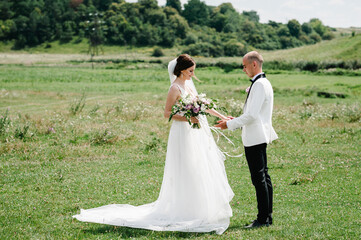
194	195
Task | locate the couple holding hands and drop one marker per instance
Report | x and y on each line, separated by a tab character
195	194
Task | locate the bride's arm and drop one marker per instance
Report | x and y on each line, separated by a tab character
217	114
173	96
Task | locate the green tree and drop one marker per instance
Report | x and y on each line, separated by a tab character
286	42
226	7
305	38
294	27
218	21
283	31
315	37
7	29
169	11
148	4
6	10
196	12
250	33
31	22
179	25
274	24
234	48
306	28
176	4
148	35
233	22
251	16
75	3
328	35
67	33
156	17
21	23
102	5
318	26
167	37
225	18
95	35
117	24
205	49
190	39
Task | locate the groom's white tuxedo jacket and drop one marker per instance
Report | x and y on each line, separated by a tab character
256	120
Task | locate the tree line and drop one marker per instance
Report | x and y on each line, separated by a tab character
196	27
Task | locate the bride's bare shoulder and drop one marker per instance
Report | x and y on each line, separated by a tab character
174	89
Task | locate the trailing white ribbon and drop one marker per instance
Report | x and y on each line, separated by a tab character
202	121
214	129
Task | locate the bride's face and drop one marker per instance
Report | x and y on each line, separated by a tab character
189	72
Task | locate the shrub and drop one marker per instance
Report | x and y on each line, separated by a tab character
315	37
331	64
310	66
234	48
330	95
199	49
328	36
304	38
21	132
158	52
279	65
190	39
269	45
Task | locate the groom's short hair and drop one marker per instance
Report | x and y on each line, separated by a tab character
254	56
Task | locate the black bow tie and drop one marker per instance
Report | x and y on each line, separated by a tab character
262	75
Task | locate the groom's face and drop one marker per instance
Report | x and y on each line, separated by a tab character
248	68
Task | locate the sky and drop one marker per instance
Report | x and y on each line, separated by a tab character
333	13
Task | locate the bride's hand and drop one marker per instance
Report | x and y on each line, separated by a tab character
194	120
226	118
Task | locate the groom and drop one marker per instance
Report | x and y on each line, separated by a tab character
257	132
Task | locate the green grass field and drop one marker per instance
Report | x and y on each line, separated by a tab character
60	151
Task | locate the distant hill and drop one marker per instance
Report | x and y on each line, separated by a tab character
341	48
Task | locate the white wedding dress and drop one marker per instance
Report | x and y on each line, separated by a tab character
194	195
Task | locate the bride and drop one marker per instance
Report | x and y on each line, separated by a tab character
195	194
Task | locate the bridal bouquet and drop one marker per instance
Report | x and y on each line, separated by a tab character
189	107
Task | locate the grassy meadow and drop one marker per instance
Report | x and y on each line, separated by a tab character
73	137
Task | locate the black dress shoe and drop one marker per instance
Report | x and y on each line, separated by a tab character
256	224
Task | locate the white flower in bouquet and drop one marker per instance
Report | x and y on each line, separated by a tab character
190	107
187	99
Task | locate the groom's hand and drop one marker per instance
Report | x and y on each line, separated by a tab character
222	124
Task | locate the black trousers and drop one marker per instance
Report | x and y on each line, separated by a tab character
257	162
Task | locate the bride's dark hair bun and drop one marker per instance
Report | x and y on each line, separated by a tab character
184	61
